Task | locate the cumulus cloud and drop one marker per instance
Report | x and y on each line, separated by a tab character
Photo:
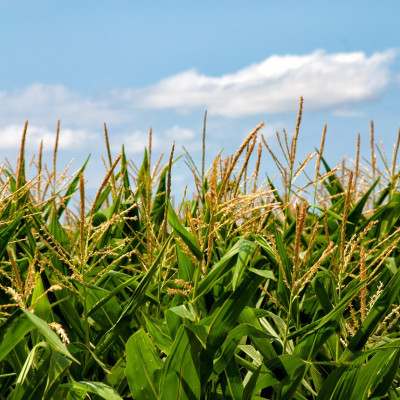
274	85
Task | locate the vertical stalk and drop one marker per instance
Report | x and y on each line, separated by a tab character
39	197
292	158
113	188
203	155
373	157
55	157
83	261
317	165
21	158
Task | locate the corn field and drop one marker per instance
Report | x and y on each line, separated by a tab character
249	289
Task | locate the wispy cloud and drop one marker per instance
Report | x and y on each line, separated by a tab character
44	104
68	140
274	85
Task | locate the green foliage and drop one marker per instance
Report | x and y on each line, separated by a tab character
237	293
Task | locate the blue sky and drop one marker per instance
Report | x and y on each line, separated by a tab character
137	64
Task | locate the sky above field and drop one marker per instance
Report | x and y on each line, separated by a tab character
136	64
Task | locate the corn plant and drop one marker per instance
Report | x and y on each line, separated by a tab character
250	289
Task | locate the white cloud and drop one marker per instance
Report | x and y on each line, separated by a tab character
274	85
331	81
69	139
45	104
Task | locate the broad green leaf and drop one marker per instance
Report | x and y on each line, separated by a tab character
50	336
232	384
324	299
13	331
157	330
263	346
183	233
98	388
389	374
25	387
185	264
42	307
226	316
185	311
222	267
264	273
245	253
112	293
231	342
144	283
106	315
180	379
371	374
143	367
57	369
69	313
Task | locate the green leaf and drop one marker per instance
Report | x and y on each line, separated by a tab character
183	233
158	210
332	184
225	316
185	311
180	379
69	313
158	335
376	369
42	307
106	315
49	335
220	269
129	282
373	319
246	251
13	331
339	384
232	384
231	342
144	283
263	346
355	214
98	388
185	264
7	231
24	386
143	367
57	369
323	297
283	291
133	303
389	374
